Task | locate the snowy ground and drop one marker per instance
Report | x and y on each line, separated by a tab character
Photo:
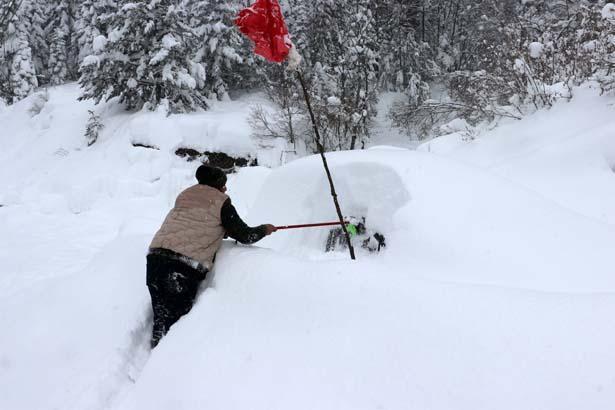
496	290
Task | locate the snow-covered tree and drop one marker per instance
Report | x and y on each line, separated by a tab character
604	49
17	70
499	58
145	59
62	63
93	19
404	55
8	9
93	128
219	46
38	37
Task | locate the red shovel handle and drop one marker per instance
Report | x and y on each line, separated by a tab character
309	225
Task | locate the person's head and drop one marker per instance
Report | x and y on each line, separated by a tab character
211	176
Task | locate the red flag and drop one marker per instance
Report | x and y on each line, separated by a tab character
264	24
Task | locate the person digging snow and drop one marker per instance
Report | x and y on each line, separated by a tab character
184	248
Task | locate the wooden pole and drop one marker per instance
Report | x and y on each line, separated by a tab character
321	150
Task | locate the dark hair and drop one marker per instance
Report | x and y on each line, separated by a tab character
212	176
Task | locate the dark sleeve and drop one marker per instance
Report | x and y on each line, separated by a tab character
236	228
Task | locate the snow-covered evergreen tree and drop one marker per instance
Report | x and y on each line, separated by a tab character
405	56
8	9
145	59
62	63
604	49
93	19
219	46
93	128
38	17
17	70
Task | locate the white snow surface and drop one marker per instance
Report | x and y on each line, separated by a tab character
536	49
169	41
608	11
496	289
99	43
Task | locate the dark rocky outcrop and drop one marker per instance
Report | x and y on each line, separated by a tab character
137	144
221	160
216	159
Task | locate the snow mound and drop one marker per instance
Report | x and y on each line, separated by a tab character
608	11
536	49
442	220
565	154
300	193
279	333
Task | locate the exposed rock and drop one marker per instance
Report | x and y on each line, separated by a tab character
137	144
216	159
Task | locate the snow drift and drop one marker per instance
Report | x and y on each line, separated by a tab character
443	220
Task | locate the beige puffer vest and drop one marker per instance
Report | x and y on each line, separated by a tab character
193	227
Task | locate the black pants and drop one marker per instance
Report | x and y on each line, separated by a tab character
173	286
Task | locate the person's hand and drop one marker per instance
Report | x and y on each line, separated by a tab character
269	229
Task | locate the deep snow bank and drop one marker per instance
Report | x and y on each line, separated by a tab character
443	220
73	342
299	193
45	159
566	154
276	332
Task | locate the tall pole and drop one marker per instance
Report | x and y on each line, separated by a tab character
321	150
